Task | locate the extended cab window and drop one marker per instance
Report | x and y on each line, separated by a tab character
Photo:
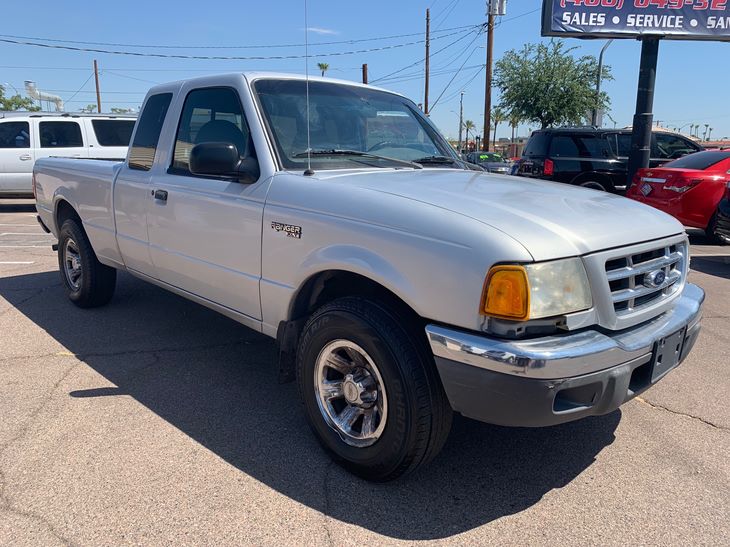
14	135
142	153
209	115
113	132
60	135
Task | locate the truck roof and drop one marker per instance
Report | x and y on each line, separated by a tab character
257	75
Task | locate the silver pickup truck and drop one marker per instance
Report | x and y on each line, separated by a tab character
400	283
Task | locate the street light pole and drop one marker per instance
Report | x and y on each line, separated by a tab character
461	119
594	120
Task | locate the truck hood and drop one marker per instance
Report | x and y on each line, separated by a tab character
552	220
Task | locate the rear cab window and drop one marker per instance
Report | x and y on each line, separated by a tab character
113	132
147	136
14	135
60	135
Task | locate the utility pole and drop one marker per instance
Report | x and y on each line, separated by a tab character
488	82
98	93
461	120
364	73
428	47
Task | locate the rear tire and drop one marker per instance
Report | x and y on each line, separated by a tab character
353	342
711	232
88	282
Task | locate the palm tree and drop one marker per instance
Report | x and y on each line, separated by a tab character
514	121
468	126
498	115
323	67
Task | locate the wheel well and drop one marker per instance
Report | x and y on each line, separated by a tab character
64	211
325	287
594	176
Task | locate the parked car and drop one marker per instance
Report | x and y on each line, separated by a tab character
593	158
690	189
399	285
490	161
28	136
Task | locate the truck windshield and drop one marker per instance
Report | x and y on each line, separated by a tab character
350	126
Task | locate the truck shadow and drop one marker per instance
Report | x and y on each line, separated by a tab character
216	382
718	266
17	206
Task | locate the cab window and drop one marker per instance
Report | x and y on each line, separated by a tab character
209	115
144	146
60	134
14	135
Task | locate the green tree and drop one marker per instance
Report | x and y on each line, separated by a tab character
548	85
16	102
498	116
116	110
323	67
89	108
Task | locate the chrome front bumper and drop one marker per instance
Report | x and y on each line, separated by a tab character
519	382
567	355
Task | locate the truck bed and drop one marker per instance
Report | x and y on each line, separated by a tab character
87	184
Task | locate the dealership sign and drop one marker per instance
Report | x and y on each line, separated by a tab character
671	19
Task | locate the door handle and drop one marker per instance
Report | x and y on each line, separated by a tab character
26	157
160	194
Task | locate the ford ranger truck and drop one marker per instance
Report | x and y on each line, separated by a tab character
400	284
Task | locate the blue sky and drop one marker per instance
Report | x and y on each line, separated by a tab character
693	78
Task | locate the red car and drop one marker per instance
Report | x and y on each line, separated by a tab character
689	188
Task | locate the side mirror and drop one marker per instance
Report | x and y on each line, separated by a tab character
221	159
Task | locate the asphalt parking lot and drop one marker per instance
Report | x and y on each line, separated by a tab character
154	420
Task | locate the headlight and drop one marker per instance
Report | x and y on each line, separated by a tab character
538	290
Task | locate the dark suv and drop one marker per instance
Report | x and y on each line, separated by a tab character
594	158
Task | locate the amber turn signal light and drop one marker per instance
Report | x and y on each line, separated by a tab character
507	293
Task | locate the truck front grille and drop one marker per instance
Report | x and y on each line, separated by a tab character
645	278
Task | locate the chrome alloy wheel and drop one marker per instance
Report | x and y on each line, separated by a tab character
72	264
350	393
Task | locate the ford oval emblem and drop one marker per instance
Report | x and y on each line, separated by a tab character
654	279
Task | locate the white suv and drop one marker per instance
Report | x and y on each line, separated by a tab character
27	136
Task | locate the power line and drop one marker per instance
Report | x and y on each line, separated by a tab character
82	87
420	59
250	46
455	75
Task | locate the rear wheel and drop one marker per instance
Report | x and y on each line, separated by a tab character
712	233
370	389
88	282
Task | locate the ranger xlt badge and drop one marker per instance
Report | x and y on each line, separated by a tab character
289	229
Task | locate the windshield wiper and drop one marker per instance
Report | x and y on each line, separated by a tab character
356	153
437	160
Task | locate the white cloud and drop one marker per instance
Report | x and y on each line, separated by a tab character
318	30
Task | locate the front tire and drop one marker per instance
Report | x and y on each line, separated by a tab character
370	389
712	233
88	282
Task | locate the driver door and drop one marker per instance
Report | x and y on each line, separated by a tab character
205	232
